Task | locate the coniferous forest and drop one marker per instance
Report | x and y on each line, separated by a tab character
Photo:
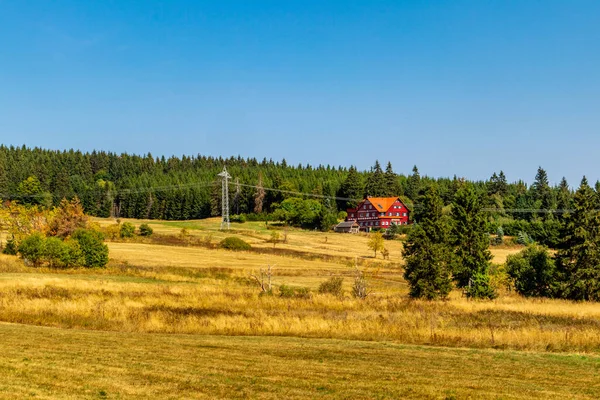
187	187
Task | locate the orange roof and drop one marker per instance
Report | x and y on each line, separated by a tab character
382	203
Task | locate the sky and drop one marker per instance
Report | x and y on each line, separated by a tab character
454	87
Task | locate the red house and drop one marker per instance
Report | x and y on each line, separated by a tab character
379	212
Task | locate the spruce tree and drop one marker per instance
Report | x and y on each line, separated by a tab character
413	185
542	194
352	188
471	242
427	251
579	258
375	186
391	182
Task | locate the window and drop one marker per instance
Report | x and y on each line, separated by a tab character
377	223
397	214
404	214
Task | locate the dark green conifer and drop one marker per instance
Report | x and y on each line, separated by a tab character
470	240
579	258
427	251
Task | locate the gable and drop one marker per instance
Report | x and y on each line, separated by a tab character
383	204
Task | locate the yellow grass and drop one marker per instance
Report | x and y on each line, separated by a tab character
166	290
67	364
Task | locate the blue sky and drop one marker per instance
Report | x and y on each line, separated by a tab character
455	87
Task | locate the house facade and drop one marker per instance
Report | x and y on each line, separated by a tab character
379	212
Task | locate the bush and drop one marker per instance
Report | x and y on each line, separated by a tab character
234	243
113	231
499	239
93	249
32	249
332	286
524	239
533	272
62	254
146	230
289	292
241	218
480	287
359	289
56	252
11	247
127	230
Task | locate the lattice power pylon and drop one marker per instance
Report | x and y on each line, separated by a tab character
225	198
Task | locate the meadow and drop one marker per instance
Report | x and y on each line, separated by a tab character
174	316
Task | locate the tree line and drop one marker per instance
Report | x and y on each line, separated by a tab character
187	187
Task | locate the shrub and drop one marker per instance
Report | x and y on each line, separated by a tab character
234	243
359	288
93	250
289	292
499	239
146	230
523	238
32	249
241	218
11	247
62	254
480	287
332	286
112	231
56	252
127	230
533	271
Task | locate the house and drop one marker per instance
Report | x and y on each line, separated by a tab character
347	227
379	212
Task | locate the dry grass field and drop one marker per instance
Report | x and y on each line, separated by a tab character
185	319
49	363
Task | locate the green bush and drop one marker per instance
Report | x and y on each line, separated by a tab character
56	252
127	230
31	249
146	230
234	243
62	254
480	287
289	292
241	218
533	272
332	286
93	249
11	247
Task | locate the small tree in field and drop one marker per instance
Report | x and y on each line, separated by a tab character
69	217
93	250
146	230
127	230
32	249
376	242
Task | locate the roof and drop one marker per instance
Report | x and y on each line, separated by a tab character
382	203
346	224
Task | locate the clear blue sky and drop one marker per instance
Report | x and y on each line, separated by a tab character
456	87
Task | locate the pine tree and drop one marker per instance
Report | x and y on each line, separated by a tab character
470	239
564	196
427	251
391	182
579	258
413	185
375	186
352	188
541	193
